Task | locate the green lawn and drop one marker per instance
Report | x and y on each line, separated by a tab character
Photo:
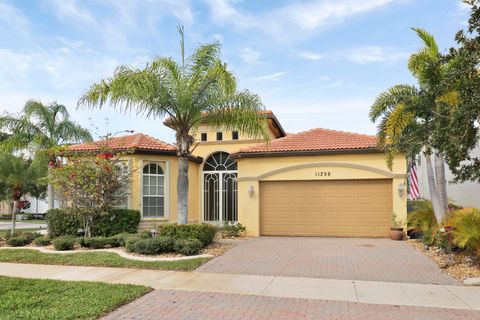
97	259
53	299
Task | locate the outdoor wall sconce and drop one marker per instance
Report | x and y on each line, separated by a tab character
250	191
401	189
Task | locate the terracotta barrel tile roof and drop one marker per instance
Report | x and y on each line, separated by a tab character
316	140
135	141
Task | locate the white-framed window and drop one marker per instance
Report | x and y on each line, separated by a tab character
153	191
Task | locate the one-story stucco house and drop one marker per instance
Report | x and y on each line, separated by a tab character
318	182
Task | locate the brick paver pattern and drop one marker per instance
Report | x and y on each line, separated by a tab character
183	305
331	258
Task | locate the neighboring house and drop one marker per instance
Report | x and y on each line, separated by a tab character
466	194
318	182
36	205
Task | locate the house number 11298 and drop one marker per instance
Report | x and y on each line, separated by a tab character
322	174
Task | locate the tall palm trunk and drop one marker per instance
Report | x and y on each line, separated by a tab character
50	190
184	142
17	193
182	190
441	182
432	186
14	216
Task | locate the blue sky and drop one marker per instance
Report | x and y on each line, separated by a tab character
315	63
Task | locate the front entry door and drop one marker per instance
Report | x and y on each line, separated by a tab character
220	188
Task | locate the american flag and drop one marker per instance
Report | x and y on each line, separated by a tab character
413	182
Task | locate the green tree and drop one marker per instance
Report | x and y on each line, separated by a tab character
92	185
410	115
199	88
41	129
461	134
15	176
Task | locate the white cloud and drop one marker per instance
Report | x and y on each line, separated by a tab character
370	54
70	9
292	21
54	70
249	55
313	14
271	77
224	11
13	18
311	55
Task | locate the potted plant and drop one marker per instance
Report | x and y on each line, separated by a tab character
396	230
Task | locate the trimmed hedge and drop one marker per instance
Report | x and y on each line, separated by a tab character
19	241
99	242
204	232
42	241
122	238
21	238
187	247
117	221
150	246
63	243
64	222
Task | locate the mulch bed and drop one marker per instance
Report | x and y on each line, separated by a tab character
459	265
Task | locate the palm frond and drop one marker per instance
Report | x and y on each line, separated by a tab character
239	112
392	97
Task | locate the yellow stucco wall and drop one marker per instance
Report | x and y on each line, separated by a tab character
341	166
169	165
253	170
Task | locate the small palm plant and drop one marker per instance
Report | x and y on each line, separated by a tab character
466	232
197	89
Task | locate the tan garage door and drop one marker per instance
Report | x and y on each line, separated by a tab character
343	208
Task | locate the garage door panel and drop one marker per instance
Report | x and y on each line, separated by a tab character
350	208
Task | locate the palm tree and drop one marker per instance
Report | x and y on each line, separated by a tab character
198	88
15	176
409	114
42	129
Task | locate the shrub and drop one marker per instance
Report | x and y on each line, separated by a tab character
30	236
63	243
187	247
19	241
16	233
150	246
122	238
203	232
5	217
232	230
99	242
63	222
466	229
115	222
66	222
422	217
42	241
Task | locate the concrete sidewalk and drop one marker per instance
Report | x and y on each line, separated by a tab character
371	292
22	225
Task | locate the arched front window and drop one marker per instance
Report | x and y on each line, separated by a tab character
153	191
220	188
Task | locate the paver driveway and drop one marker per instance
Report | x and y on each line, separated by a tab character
190	305
333	258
